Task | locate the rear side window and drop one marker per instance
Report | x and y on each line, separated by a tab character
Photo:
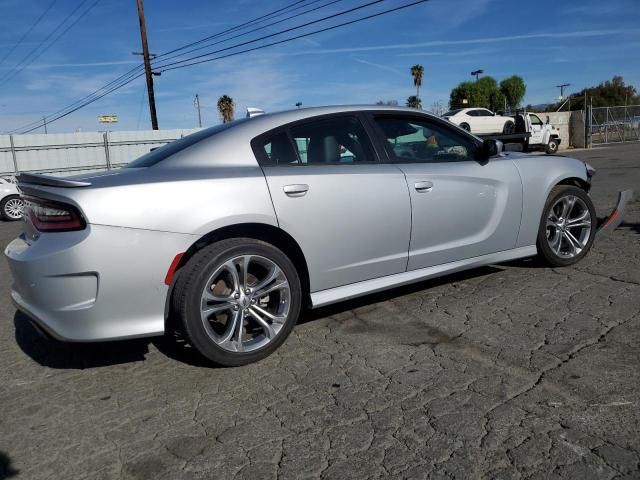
157	155
334	140
279	150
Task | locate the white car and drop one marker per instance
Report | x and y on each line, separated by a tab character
481	121
11	204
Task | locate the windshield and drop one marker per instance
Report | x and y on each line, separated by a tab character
451	113
159	154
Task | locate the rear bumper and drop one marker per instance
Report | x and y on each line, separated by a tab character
614	219
101	283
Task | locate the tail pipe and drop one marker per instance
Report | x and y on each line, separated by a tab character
614	219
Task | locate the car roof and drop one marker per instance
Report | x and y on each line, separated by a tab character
273	120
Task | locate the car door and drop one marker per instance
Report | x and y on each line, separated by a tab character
537	129
461	208
490	122
349	213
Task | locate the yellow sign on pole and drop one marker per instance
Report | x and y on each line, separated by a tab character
108	118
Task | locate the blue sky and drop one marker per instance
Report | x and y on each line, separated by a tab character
582	42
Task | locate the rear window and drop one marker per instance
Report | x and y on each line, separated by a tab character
451	113
159	154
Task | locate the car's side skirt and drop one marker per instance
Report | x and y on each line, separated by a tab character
346	292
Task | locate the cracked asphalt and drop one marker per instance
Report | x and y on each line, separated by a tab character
505	372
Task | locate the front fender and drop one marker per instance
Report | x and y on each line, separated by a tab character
539	174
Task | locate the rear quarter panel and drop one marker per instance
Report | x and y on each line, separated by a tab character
540	173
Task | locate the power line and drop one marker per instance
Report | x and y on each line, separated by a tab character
127	75
264	37
235	27
33	25
131	76
27	60
251	31
297	37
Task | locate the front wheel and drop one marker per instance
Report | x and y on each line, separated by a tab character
552	146
567	227
238	299
11	207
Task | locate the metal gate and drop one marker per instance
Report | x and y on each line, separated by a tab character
614	124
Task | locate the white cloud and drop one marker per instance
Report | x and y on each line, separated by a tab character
474	41
380	66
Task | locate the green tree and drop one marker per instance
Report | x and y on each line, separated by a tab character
483	94
414	102
607	94
417	72
226	107
513	89
462	96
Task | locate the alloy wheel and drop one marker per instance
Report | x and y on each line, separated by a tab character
245	303
13	208
568	226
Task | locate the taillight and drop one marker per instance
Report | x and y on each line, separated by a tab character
50	216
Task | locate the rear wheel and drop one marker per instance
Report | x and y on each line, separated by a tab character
238	299
11	207
567	227
509	128
465	126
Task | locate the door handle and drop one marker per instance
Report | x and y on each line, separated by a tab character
423	187
296	190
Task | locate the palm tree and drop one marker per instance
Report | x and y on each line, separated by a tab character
417	72
414	102
226	107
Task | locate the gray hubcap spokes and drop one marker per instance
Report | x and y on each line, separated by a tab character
245	303
568	226
14	208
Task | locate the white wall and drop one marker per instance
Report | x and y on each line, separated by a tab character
72	153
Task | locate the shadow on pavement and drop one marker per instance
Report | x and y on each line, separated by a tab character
6	470
53	353
56	354
634	227
311	315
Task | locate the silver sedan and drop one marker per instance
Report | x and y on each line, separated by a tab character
233	230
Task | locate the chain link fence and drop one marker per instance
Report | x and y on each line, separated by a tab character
614	124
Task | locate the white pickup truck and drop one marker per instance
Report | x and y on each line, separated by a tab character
542	136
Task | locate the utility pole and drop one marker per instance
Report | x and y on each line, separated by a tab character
477	73
197	104
562	87
44	123
147	66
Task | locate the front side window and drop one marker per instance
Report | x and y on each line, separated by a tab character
535	120
333	140
422	141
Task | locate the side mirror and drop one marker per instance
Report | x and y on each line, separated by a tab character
489	148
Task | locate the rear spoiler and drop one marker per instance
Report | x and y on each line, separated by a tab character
34	179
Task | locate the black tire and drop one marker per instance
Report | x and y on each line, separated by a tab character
552	146
465	126
545	252
509	128
191	284
4	208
